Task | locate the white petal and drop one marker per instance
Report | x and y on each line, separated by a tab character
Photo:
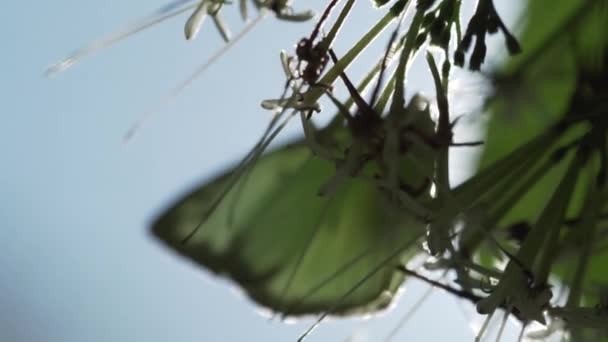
193	25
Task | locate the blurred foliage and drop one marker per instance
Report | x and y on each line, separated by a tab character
560	80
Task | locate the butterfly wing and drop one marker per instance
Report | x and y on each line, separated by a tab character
290	249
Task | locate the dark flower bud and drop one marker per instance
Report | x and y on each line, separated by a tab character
512	43
303	49
459	58
479	54
445	68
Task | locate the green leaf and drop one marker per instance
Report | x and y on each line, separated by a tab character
559	77
537	89
290	249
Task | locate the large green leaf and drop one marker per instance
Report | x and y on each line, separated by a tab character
562	48
290	249
560	75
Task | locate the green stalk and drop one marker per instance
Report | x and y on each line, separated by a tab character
315	93
438	238
471	190
409	48
386	94
333	33
495	215
547	227
587	227
444	131
513	284
363	84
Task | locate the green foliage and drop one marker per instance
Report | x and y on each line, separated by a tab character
327	224
537	200
556	83
330	231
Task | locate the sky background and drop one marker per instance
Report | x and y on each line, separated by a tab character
77	261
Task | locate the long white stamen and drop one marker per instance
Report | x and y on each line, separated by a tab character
484	327
502	325
165	13
197	73
194	23
409	314
221	27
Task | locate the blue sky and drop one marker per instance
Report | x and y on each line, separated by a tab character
77	262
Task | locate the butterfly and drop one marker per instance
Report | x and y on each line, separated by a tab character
292	250
303	233
319	226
